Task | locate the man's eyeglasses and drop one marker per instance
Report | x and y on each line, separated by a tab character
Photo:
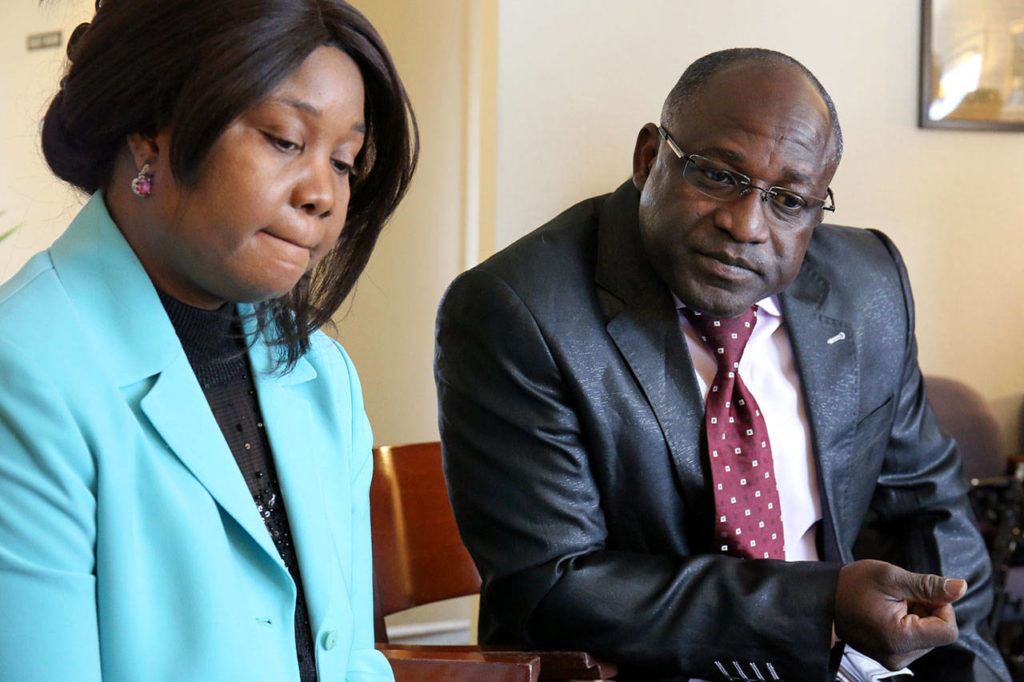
723	184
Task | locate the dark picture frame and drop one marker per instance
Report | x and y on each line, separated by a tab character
972	64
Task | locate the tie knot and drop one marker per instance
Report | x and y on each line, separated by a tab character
726	337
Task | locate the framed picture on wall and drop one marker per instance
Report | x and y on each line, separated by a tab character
972	64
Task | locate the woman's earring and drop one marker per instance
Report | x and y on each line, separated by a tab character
142	184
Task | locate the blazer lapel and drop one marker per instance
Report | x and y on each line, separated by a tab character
644	325
131	331
825	352
177	408
297	444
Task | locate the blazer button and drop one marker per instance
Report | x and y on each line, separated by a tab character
329	639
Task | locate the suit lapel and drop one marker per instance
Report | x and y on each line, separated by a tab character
825	352
178	410
653	346
130	330
644	325
297	443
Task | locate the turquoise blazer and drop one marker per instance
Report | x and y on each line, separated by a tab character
130	548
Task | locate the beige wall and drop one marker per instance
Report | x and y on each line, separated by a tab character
574	81
29	194
577	79
389	327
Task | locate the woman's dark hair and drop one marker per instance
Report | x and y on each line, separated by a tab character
197	65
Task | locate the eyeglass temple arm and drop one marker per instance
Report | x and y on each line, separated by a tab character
830	201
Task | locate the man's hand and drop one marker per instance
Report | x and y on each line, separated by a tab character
893	615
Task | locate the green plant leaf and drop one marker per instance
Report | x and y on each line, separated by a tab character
11	231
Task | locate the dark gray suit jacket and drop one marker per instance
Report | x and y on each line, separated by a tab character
572	430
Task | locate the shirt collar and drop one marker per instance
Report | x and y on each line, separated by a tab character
769	305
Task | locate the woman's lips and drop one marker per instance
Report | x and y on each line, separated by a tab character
292	250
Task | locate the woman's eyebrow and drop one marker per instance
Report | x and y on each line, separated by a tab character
305	106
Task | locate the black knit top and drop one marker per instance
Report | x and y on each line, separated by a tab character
215	347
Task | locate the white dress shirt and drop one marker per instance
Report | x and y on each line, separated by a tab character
769	372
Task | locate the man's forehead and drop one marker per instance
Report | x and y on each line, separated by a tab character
756	88
771	74
748	99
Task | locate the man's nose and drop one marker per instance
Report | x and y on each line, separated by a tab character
746	217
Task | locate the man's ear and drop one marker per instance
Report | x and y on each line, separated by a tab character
143	148
648	141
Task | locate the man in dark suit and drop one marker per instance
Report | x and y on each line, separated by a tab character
572	370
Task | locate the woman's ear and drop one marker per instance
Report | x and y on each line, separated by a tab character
143	148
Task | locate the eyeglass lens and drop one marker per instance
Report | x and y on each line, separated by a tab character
726	185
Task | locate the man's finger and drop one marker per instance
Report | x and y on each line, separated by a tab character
930	589
894	615
955	587
937	629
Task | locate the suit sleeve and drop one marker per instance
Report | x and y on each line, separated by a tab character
47	532
924	520
529	510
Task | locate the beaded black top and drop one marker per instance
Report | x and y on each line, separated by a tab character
215	347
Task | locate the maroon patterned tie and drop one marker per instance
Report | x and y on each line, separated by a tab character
748	521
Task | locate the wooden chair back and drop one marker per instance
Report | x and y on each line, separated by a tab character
418	556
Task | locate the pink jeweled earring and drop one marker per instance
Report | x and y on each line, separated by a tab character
142	184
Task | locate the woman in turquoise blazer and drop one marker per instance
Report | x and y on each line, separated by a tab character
137	539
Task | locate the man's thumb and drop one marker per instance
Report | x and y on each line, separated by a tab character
936	589
954	587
